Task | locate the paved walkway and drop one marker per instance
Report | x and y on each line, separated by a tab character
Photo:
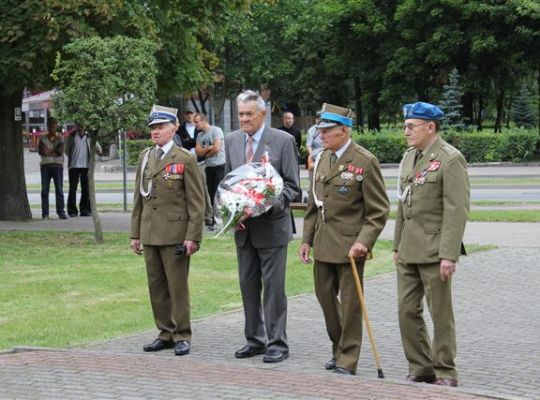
496	311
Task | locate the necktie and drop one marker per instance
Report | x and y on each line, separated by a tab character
249	149
417	157
333	160
159	154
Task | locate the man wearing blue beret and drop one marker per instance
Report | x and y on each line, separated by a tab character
433	191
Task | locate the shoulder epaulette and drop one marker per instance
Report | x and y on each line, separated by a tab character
145	150
449	149
184	150
364	152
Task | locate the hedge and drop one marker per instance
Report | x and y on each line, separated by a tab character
512	145
389	145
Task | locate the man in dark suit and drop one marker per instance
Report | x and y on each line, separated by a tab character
168	209
262	245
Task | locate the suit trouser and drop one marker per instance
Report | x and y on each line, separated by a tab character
56	172
337	295
169	291
414	281
258	269
84	204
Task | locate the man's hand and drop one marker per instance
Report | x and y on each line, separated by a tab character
303	253
136	246
395	257
448	267
358	250
191	247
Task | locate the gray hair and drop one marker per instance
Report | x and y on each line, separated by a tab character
250	95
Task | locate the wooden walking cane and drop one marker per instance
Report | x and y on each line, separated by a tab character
380	373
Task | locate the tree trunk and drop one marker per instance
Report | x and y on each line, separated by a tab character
480	112
468	115
98	231
374	122
358	104
14	204
499	104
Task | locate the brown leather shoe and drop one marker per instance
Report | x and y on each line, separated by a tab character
446	382
423	378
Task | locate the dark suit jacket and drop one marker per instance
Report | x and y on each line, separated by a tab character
273	228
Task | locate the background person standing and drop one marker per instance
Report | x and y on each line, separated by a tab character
78	152
51	150
433	188
211	148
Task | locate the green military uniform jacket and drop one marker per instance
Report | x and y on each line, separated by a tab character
355	204
431	219
174	211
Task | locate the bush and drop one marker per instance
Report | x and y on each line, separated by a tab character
134	147
512	145
386	145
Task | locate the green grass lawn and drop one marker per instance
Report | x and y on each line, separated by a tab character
60	288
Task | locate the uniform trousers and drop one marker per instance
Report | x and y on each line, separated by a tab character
336	291
169	291
414	281
262	271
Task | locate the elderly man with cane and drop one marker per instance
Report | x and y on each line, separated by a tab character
347	210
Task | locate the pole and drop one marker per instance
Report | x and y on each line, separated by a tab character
124	166
380	373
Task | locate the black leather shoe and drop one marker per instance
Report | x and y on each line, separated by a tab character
158	345
85	214
275	355
343	371
418	379
181	348
62	216
72	215
330	364
249	351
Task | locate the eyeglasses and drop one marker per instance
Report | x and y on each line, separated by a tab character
412	127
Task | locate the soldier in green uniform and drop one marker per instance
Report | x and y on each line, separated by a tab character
168	212
347	210
433	188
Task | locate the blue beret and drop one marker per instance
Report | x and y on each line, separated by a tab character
421	110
